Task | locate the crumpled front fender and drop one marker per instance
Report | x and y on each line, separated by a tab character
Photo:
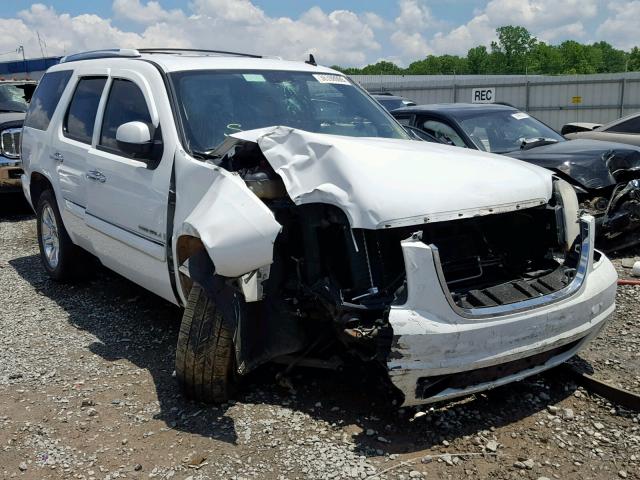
236	228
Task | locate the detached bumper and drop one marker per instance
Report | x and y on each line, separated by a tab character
441	351
10	172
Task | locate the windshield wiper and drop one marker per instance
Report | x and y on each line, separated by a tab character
205	155
528	143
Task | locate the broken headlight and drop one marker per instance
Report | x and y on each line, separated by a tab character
567	212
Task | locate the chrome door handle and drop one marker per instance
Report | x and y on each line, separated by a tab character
96	176
58	157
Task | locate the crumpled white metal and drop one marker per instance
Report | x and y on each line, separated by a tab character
382	183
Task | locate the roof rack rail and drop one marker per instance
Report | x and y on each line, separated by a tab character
196	50
107	53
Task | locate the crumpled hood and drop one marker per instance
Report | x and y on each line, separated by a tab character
583	160
382	183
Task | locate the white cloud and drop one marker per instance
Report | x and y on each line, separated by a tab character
621	28
550	20
574	31
414	16
149	13
339	36
412	45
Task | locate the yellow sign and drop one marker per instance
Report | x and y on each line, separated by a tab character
576	100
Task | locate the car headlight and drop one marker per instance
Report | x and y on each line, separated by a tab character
10	143
567	215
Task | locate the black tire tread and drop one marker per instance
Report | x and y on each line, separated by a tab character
205	351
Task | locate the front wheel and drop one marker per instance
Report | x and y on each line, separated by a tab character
205	355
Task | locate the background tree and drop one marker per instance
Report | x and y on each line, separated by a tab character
516	52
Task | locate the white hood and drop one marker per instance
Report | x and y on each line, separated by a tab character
382	183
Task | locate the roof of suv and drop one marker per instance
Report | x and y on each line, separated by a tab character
452	108
193	60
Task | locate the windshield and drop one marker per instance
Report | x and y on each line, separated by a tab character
391	103
504	131
13	98
214	104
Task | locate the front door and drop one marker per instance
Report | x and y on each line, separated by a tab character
128	192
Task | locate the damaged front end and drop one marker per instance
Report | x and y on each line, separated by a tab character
449	292
607	181
618	213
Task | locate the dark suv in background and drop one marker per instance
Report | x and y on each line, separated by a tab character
14	101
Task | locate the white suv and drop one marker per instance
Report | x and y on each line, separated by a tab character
295	220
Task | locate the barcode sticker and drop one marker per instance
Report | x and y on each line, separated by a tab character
328	78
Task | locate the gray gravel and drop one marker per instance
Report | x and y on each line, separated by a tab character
87	391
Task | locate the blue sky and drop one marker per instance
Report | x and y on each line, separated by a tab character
457	11
346	32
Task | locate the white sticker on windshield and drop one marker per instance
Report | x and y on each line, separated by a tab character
328	78
253	77
519	115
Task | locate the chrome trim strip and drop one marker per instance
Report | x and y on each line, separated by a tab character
139	235
586	251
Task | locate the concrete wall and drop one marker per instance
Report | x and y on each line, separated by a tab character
603	97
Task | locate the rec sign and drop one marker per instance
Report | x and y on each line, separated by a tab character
483	95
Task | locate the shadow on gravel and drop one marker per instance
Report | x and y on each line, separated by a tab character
14	207
137	326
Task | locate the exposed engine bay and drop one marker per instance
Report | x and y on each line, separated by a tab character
330	286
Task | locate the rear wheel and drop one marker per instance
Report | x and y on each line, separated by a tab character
205	355
62	260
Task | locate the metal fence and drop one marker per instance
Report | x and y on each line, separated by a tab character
555	100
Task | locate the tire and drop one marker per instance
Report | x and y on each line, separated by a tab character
62	260
205	355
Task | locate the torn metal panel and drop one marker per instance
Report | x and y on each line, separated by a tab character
236	228
584	161
373	180
434	341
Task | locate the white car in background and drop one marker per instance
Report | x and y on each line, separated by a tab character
622	130
292	217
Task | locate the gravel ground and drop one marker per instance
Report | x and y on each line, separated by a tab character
87	391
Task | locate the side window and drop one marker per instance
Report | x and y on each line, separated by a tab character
629	126
404	120
81	115
126	103
442	132
45	99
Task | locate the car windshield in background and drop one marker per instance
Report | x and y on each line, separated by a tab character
214	104
391	104
12	99
503	131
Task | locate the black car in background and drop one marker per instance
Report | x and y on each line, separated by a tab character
391	102
606	175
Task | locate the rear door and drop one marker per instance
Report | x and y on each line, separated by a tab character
71	143
38	125
128	193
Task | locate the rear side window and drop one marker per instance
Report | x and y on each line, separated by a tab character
405	120
81	115
45	99
126	103
630	126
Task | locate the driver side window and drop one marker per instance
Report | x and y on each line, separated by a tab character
125	103
442	132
